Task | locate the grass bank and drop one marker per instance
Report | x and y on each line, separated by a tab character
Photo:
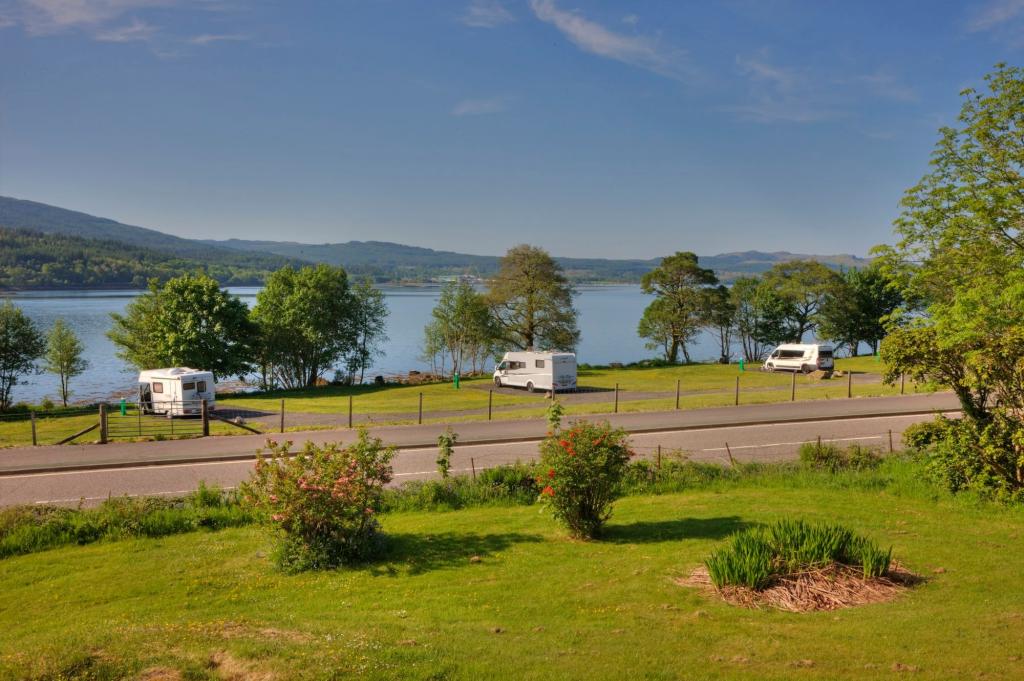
499	592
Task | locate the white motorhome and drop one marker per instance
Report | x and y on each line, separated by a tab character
537	371
175	391
800	357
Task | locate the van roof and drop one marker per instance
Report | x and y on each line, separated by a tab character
804	346
172	372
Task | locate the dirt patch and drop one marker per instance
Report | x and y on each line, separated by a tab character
829	588
229	668
159	674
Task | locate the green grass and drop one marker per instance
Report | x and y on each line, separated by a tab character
536	605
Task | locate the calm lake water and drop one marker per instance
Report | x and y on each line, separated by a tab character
608	319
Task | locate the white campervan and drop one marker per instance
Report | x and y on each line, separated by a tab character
800	357
176	391
537	371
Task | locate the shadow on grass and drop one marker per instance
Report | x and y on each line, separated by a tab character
419	553
672	530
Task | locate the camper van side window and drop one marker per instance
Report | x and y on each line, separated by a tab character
188	386
201	386
538	364
158	387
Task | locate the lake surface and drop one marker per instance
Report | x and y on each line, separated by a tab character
608	316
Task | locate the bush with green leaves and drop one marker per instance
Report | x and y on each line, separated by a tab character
834	458
984	457
323	500
757	556
581	470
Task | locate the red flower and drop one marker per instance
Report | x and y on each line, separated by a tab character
551	472
548	491
564	444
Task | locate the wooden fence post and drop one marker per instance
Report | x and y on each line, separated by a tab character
204	411
890	442
659	457
419	420
849	384
490	403
472	465
349	411
903	380
677	393
103	423
34	429
616	398
737	400
282	415
792	392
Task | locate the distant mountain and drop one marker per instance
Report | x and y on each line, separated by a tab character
41	217
236	259
412	262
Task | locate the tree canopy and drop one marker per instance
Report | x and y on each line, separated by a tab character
683	303
21	344
532	301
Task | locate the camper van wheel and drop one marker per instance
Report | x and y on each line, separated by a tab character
497	382
770	367
529	387
806	369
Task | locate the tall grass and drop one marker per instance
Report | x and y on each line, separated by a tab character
757	556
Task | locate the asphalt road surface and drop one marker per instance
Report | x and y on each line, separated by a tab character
752	442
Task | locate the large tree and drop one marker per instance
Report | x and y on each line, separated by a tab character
683	293
188	321
461	328
805	285
961	252
369	320
307	321
859	308
63	356
761	317
532	301
21	344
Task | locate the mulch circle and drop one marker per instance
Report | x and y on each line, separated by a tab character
828	588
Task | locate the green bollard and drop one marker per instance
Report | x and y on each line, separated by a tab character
456	377
124	407
741	364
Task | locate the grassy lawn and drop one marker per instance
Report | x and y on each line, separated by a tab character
536	605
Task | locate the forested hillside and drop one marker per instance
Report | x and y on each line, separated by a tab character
35	260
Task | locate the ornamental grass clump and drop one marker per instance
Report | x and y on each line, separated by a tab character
323	500
755	558
580	473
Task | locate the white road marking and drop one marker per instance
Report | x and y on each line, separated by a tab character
801	442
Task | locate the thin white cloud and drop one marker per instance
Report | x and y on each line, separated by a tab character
630	19
6	22
136	31
480	107
780	94
994	14
208	38
43	17
884	84
594	38
486	14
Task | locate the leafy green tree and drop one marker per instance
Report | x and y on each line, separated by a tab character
461	327
760	315
805	285
21	344
531	301
682	305
721	320
960	251
188	321
369	319
307	318
859	308
64	356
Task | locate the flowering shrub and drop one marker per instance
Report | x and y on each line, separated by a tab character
323	500
580	475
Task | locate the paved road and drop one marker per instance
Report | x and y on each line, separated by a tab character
51	458
761	442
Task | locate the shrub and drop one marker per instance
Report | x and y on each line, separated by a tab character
983	457
921	436
831	457
323	500
581	469
756	557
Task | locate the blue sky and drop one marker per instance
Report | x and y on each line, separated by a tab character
607	129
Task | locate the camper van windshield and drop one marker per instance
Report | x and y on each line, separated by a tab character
201	386
188	386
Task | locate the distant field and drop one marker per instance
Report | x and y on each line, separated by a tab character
536	605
